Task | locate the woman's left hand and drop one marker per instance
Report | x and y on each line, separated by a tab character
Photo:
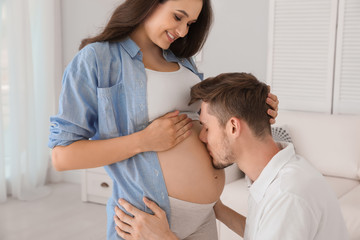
273	102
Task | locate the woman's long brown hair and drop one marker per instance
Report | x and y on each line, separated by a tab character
131	13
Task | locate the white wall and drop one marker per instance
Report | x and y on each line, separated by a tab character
237	42
238	39
81	19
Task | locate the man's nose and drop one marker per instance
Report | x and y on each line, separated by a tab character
202	136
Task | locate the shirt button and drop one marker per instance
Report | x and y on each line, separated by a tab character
141	107
156	172
162	195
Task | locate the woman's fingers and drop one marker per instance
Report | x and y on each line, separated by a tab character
179	118
272	113
171	114
182	126
273	101
154	207
166	132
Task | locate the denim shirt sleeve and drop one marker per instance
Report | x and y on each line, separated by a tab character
77	116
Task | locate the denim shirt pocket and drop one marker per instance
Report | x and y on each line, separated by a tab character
109	105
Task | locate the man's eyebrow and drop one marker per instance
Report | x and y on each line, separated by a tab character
183	12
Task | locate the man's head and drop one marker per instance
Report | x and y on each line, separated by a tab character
231	100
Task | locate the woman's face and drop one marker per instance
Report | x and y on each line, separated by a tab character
171	20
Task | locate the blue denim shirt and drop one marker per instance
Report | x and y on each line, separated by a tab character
104	96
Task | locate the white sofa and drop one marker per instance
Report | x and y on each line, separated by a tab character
332	144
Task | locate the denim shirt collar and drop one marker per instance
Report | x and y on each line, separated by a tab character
130	47
134	51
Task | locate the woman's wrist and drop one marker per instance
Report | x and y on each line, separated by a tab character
142	142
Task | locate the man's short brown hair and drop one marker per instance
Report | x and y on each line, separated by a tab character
238	95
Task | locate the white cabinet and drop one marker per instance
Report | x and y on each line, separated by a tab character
314	54
96	185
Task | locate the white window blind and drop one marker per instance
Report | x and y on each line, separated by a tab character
301	53
347	73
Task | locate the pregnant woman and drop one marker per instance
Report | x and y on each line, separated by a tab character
119	108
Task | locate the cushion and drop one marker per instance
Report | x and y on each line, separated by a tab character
341	186
329	142
235	195
350	207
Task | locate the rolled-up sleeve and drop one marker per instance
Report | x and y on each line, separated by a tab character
77	115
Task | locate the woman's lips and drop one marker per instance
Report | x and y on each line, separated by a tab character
170	37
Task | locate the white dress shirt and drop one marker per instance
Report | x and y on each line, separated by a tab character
292	200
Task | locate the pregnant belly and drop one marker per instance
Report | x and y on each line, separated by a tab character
188	171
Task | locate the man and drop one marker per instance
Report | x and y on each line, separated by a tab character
289	199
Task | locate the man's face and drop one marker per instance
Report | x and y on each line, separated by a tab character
215	138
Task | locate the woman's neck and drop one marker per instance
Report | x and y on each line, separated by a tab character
152	54
147	47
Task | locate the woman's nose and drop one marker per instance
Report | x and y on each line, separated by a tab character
182	30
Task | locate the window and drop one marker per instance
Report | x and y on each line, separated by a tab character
314	59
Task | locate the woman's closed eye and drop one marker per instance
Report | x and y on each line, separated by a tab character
177	18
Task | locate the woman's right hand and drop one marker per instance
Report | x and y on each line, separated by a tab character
166	132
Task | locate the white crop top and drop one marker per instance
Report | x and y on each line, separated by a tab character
170	91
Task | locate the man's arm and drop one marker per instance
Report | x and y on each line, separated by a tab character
230	218
143	226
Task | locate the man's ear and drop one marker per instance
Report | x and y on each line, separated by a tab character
233	127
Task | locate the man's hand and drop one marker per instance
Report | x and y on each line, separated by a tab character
142	226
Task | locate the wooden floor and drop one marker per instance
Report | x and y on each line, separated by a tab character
60	216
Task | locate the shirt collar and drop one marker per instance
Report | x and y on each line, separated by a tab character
130	47
170	56
258	188
133	49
